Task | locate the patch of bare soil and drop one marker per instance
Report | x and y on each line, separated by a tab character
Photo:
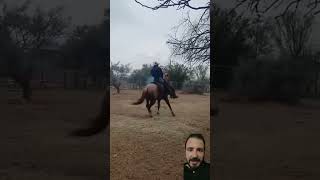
263	141
34	137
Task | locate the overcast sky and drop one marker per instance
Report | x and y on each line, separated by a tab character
138	35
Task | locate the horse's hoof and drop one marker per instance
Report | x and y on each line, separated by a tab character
173	115
157	112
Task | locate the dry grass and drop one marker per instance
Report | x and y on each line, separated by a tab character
263	141
34	137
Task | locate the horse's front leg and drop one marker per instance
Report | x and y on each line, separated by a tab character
158	105
167	101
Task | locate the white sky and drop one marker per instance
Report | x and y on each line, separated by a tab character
138	35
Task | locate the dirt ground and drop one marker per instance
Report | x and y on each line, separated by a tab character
264	141
153	148
34	137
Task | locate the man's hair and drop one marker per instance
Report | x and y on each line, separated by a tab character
198	136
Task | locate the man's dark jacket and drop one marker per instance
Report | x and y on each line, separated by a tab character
200	173
157	73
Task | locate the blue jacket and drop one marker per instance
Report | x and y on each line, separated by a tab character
156	72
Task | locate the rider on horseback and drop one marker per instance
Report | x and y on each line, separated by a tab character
157	74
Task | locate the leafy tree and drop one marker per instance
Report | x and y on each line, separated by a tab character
118	73
179	73
141	76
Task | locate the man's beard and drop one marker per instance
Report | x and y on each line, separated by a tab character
194	159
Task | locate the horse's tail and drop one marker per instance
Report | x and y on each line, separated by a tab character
97	124
143	96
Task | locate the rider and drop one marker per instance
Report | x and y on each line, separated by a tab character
157	74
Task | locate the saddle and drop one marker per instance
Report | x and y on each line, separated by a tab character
161	86
165	88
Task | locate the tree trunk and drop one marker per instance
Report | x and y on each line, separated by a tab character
117	86
118	89
24	82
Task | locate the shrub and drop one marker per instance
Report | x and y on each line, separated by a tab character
282	79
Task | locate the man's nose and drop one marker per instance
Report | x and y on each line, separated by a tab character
194	154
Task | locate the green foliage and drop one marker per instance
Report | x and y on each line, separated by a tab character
141	76
119	72
179	73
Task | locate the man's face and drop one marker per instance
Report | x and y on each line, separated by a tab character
194	152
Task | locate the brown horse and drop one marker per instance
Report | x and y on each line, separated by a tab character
152	93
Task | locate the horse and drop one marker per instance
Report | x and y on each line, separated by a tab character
152	93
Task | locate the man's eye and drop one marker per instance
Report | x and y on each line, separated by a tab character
200	150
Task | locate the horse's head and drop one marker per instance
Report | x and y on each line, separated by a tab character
166	77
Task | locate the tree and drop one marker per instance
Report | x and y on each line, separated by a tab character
86	49
34	30
27	33
180	4
141	76
118	73
232	33
194	44
260	36
232	37
179	73
200	73
11	63
281	7
293	32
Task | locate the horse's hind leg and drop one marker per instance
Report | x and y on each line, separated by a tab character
167	101
158	106
153	101
148	107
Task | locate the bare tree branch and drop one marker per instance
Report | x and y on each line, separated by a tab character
293	32
180	4
193	44
263	6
